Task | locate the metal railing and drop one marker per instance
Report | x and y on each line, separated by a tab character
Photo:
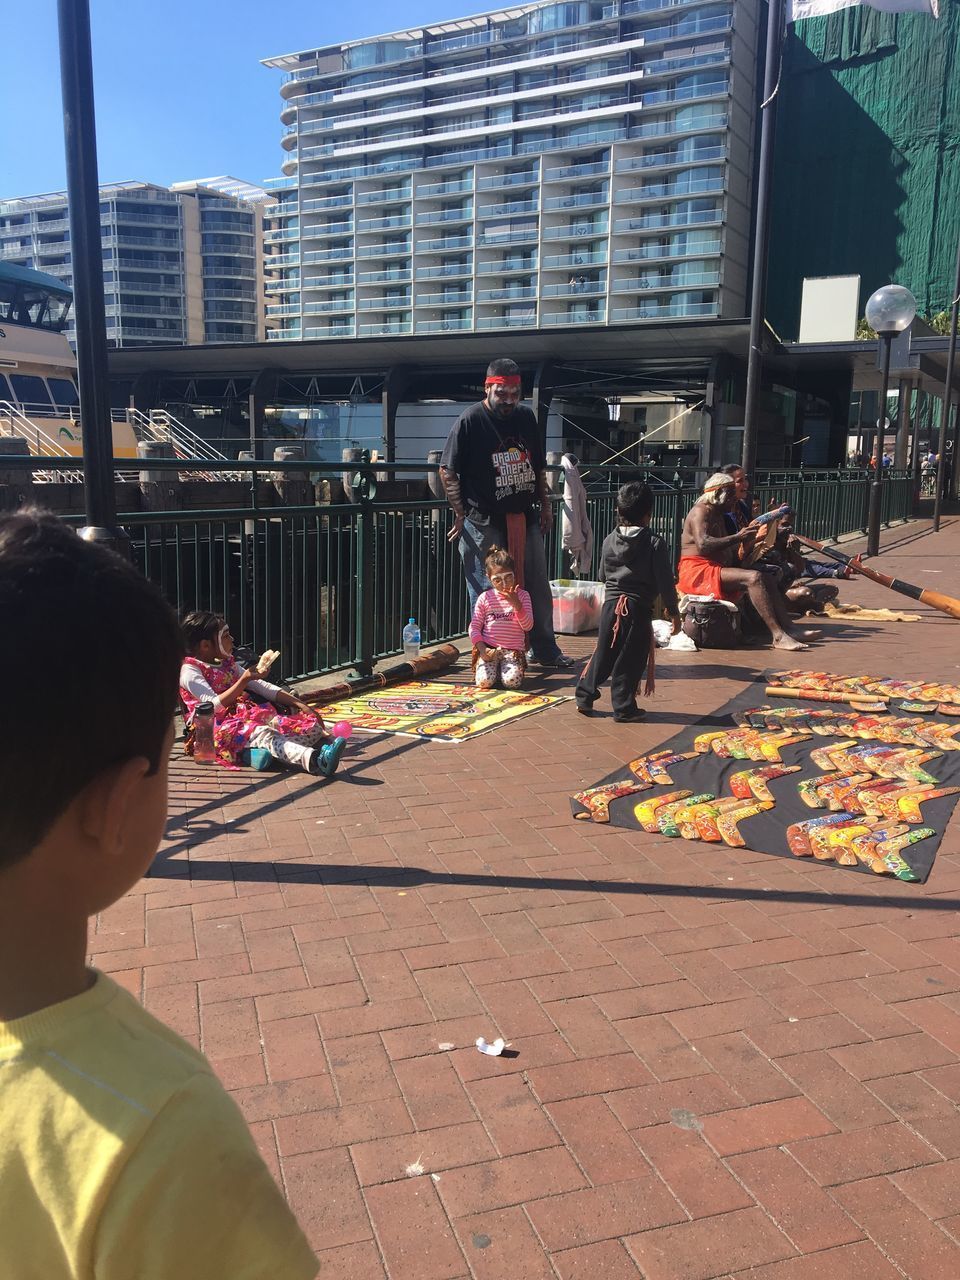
332	585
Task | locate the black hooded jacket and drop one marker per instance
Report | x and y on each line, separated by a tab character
637	564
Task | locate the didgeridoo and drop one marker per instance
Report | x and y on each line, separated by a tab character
935	599
438	659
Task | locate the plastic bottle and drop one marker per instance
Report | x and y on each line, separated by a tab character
411	639
204	751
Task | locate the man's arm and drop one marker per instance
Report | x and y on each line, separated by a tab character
451	487
705	542
546	506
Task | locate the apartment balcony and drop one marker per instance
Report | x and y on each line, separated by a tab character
693	25
384	330
671	159
595	138
329	331
339	281
654	311
668	128
285	233
553	318
169	244
156	286
60	224
237	292
505	268
276	260
560	261
167	336
506	294
151	264
400	274
574	289
384	304
445	272
328	202
284	309
321	229
470	154
382	250
340	306
284	335
521	235
394	222
447	244
573	172
444	216
322	255
681	64
136	309
507	322
505	210
663	218
386	195
281	286
453	324
495	182
444	188
717	89
654	281
445	299
669	190
19	251
585	200
574	232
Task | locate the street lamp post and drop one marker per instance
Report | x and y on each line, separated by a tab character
889	312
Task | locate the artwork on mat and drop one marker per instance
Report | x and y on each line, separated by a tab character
870	790
432	709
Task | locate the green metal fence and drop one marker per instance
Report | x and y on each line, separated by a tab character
332	586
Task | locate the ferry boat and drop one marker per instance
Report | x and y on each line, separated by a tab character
38	369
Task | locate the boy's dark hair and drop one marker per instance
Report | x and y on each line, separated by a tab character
200	625
499	559
503	368
634	502
104	653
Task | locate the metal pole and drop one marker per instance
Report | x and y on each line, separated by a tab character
876	493
947	399
83	196
768	128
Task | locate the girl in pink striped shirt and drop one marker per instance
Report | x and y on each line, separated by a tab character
501	619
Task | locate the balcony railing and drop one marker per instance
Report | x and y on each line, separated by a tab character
384	304
652	281
558	261
378	330
526	178
444	272
573	171
394	222
445	299
666	128
447	243
444	326
328	202
507	322
325	255
445	188
575	318
667	159
653	251
521	235
653	311
668	190
378	277
338	281
340	306
585	200
658	218
506	294
505	268
574	288
443	216
320	229
574	232
505	210
330	331
383	250
387	195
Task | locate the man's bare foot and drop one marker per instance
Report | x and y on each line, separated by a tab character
785	641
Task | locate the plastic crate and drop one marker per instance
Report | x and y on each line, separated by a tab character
576	605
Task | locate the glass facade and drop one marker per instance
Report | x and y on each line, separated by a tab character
546	152
179	266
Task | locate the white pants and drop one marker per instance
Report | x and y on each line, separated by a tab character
297	751
506	664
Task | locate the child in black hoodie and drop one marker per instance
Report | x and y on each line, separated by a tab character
636	569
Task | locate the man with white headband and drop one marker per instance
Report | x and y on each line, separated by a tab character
708	562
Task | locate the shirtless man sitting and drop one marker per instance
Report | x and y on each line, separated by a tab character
708	563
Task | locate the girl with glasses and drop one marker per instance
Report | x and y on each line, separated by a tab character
501	619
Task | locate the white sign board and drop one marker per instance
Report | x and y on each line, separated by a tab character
830	309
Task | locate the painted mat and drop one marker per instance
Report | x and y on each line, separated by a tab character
430	709
872	790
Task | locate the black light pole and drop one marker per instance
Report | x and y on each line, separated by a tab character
889	312
947	402
768	129
83	196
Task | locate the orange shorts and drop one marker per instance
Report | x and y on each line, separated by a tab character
697	576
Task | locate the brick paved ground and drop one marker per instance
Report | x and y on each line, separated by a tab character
724	1064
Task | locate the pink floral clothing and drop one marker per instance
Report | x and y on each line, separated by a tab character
235	726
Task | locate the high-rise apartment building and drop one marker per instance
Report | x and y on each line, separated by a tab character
538	166
180	265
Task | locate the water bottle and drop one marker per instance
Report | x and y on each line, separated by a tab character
411	639
204	751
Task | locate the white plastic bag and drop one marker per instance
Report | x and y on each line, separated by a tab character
662	631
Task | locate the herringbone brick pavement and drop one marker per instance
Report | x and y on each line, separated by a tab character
722	1064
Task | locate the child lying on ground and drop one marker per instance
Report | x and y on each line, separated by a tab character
210	673
121	1155
501	619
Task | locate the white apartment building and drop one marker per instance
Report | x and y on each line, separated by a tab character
580	163
182	265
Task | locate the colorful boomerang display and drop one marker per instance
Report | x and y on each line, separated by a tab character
812	683
936	600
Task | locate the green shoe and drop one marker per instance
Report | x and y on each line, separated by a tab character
326	759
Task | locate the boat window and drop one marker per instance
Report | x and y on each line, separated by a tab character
29	390
5	392
63	391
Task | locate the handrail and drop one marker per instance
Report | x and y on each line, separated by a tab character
46	446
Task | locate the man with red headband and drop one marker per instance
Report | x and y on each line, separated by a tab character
494	474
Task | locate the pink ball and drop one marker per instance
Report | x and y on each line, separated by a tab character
342	729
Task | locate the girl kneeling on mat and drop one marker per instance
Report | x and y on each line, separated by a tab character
498	629
210	673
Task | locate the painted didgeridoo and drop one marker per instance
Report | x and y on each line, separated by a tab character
935	599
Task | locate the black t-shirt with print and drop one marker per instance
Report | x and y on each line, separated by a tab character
497	459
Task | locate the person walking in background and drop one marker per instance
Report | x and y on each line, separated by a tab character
498	629
636	570
493	471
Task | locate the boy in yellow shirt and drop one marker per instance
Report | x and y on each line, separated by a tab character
121	1155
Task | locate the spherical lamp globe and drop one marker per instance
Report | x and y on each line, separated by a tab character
891	309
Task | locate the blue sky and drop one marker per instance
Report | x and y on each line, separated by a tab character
180	92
